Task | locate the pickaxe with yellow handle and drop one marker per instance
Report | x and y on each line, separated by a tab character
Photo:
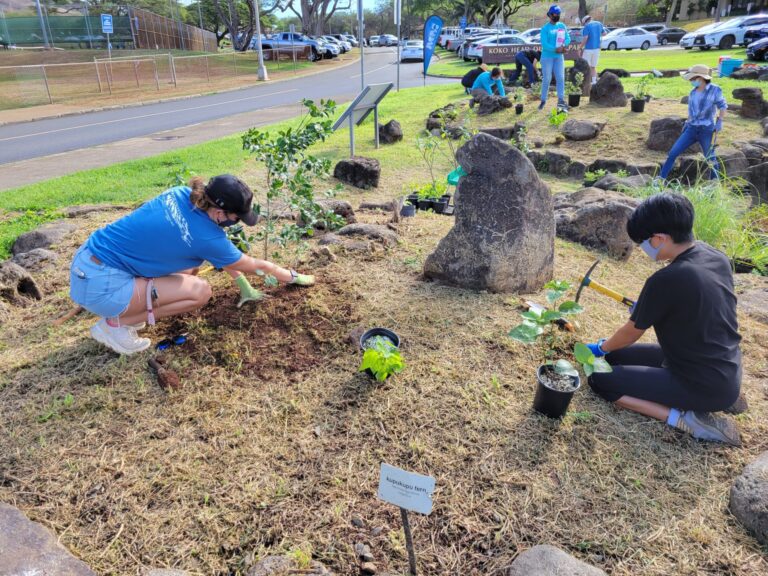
587	281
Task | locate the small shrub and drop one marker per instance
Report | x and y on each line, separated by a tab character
594	176
382	358
556	117
574	87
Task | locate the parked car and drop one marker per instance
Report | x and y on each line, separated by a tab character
463	46
412	50
287	41
758	50
755	33
373	41
348	38
331	50
532	34
628	39
655	28
475	51
343	45
448	33
387	40
723	35
670	36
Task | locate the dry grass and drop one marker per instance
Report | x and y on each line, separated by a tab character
271	448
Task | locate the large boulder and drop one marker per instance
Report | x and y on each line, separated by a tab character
733	163
390	132
44	237
503	236
618	72
358	171
614	182
506	132
372	231
745	74
753	154
28	548
596	219
753	105
339	207
556	163
664	132
650	168
581	66
607	164
580	130
749	498
36	260
547	560
608	91
758	178
489	103
754	302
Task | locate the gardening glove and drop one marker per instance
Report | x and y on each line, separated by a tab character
247	292
302	279
597	348
719	125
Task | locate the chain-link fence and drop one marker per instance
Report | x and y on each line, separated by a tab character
48	83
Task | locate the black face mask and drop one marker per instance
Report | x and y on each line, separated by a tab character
227	223
555	17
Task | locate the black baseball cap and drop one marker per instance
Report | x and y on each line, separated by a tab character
233	195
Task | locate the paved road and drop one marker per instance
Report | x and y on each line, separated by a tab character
57	135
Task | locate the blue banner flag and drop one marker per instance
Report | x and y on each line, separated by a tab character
432	28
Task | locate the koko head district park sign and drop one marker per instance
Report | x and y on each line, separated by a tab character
506	53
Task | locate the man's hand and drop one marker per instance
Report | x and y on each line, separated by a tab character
247	292
597	349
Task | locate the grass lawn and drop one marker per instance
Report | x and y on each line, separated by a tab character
273	444
632	61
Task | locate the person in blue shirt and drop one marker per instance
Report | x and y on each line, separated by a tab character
554	39
592	34
144	265
706	110
487	80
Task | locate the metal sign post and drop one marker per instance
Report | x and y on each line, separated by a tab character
261	72
398	10
361	33
292	29
366	102
106	28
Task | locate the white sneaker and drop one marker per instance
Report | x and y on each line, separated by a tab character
138	326
122	340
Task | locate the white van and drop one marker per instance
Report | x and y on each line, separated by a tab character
447	34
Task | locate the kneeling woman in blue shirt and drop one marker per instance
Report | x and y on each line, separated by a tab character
143	266
705	101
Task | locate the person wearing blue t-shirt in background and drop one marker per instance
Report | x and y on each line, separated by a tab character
554	39
590	45
143	266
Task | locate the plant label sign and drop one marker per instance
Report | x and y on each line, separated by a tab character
407	490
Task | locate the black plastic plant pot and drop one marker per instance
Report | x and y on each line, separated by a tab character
573	100
425	204
413	199
637	105
519	109
408	210
388	334
551	402
439	205
446	197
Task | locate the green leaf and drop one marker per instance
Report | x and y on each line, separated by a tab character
565	367
526	333
601	365
551	316
583	354
570	307
554	295
532	316
588	369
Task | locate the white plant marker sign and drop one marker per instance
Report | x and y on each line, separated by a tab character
408	491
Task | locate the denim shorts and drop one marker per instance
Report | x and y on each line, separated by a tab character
99	288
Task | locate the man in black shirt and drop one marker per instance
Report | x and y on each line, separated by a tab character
469	78
695	369
527	58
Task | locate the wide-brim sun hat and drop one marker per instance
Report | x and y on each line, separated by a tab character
699	70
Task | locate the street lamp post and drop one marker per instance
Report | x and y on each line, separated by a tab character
361	32
261	72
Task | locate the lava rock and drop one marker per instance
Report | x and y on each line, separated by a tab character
576	170
557	163
684	100
597	219
753	154
368	568
647	168
613	182
27	547
580	130
82	210
618	72
754	303
753	105
580	65
609	165
503	236
690	169
733	163
608	91
16	285
505	132
537	159
749	498
359	172
36	260
745	74
373	231
434	124
761	143
489	103
758	178
339	207
44	237
550	561
390	132
664	132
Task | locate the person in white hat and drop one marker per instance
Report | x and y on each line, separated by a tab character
706	110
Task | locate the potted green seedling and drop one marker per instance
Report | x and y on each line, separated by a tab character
557	379
381	353
518	97
574	89
641	95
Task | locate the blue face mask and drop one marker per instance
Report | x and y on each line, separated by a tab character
651	252
695	83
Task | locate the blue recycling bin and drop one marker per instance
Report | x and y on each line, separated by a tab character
728	66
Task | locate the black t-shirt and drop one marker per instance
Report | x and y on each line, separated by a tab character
692	307
469	78
533	55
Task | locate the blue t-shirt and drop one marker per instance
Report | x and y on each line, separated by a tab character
549	39
165	235
593	32
485	82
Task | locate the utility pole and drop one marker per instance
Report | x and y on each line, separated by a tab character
261	72
361	31
42	24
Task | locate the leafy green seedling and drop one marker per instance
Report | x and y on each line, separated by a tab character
381	357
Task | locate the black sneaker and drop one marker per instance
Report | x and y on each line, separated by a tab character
542	104
706	426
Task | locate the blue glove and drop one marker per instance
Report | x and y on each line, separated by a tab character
597	348
719	125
